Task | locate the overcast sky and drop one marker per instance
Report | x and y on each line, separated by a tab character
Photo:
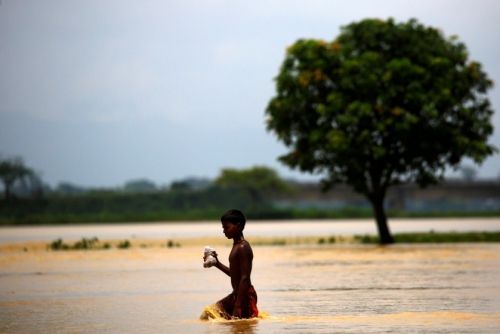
97	93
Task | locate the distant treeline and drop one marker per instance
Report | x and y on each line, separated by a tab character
101	206
173	205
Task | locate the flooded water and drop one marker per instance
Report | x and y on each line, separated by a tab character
255	228
445	288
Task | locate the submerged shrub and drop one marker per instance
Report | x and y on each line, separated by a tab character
366	239
86	243
58	245
124	244
171	244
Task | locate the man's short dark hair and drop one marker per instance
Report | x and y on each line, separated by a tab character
235	217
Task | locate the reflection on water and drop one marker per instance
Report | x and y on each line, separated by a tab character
234	327
305	289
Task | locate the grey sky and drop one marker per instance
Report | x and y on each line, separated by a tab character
100	92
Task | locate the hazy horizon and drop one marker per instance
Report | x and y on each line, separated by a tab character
100	93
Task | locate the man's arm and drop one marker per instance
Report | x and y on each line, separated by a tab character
245	257
222	267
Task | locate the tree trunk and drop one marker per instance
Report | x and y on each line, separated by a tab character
381	219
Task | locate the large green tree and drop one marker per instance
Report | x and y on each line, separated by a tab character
255	181
11	170
384	103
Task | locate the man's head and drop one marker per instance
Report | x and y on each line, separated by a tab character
234	217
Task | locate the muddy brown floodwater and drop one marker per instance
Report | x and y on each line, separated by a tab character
417	288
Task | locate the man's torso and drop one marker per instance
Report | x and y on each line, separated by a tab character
235	265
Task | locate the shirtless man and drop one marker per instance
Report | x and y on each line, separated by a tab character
242	302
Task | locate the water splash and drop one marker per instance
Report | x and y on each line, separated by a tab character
213	313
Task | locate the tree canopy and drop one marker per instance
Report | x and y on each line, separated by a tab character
12	170
384	103
255	181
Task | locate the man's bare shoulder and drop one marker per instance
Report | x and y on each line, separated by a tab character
244	248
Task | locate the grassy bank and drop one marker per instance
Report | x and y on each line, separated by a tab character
434	237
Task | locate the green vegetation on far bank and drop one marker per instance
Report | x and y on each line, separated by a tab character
433	237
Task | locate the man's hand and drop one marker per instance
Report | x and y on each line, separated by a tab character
210	257
214	255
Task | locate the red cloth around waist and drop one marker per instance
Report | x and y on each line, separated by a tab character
248	308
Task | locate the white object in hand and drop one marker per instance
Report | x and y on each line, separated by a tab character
209	257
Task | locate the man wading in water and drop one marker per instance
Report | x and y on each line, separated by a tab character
242	302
